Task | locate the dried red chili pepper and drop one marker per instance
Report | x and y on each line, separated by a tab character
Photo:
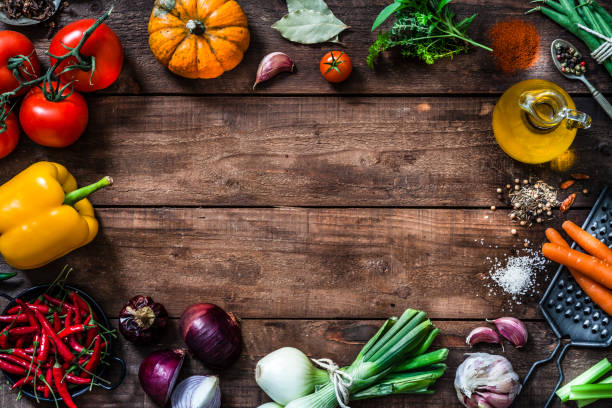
580	176
567	184
567	203
58	377
142	320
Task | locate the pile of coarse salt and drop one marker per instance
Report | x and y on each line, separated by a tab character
516	275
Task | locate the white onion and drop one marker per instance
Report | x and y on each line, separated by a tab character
270	405
198	391
288	374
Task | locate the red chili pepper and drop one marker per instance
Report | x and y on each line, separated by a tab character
23	331
60	346
15	360
75	379
74	344
23	381
11	368
21	318
80	328
95	357
28	312
83	305
56	302
44	309
57	324
20	342
4	342
43	352
18	353
49	380
58	376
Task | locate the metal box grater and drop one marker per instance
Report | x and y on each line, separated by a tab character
569	312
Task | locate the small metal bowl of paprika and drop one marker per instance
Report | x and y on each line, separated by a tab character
37	291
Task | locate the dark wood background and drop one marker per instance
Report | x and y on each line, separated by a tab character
313	211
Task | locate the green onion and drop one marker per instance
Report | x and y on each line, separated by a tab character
584	403
591	391
423	360
589	376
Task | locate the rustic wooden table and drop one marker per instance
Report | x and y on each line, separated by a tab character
312	211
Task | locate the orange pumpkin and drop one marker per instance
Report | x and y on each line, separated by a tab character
198	38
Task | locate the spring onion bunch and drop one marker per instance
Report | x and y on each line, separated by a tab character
394	361
569	13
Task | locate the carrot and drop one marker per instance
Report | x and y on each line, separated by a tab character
598	293
594	268
588	242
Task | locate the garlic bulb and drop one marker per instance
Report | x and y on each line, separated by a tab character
486	381
288	374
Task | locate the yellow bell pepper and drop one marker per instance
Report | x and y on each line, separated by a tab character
43	216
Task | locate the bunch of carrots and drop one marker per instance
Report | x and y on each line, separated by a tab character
592	271
52	344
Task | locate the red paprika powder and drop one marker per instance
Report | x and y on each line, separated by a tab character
515	45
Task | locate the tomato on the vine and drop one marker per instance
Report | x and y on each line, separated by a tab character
50	123
336	66
13	45
9	134
103	45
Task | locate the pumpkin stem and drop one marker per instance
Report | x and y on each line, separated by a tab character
195	27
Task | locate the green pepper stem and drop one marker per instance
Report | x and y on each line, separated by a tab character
77	195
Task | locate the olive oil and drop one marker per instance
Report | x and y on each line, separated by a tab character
535	121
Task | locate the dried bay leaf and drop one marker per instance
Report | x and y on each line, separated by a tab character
314	5
309	27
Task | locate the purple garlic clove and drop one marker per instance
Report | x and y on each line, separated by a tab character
513	330
272	65
482	335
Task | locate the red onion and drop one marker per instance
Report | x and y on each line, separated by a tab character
158	373
211	334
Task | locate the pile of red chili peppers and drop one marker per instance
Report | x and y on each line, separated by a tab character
53	344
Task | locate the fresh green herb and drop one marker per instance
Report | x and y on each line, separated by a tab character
309	22
588	377
423	29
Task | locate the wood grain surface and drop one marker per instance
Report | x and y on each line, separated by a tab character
307	151
311	210
471	73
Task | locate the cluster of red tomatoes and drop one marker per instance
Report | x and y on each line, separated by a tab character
48	122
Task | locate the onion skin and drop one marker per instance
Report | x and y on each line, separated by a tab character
158	373
211	334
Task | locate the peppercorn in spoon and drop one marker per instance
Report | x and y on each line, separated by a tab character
570	63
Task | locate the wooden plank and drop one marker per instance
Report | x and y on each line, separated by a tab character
297	263
304	151
340	340
472	73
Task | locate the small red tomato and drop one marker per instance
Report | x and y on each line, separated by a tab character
13	44
53	124
336	66
9	135
103	45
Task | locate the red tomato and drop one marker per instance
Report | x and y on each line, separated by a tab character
9	136
336	66
13	44
53	124
103	45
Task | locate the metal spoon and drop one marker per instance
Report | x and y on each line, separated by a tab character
24	21
596	94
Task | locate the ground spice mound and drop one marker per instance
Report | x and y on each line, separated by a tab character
515	45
